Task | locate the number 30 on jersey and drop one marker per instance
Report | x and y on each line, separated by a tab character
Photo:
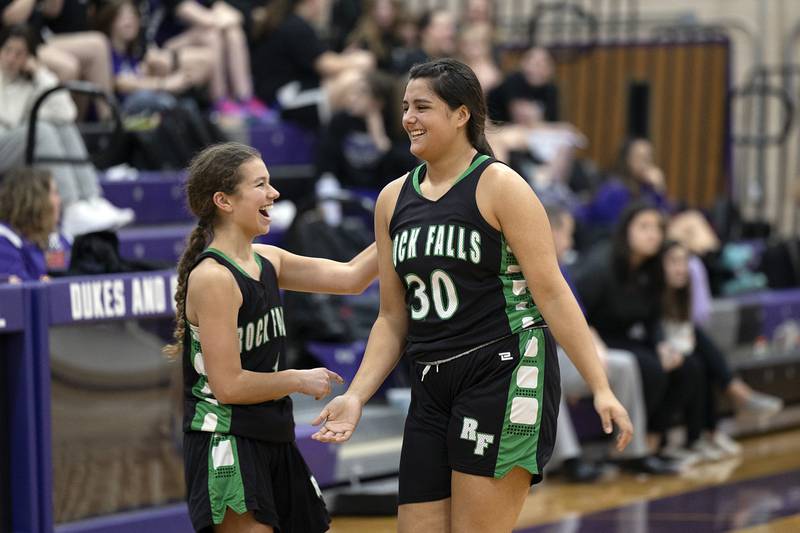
440	289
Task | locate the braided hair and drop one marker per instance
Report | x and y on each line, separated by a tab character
215	169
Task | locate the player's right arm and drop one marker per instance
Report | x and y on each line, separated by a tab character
212	303
386	339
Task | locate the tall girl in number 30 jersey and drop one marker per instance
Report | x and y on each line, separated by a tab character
470	290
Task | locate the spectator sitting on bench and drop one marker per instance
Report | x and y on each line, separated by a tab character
151	69
294	70
621	285
623	376
687	340
22	81
29	210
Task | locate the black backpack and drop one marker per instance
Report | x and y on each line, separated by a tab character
98	253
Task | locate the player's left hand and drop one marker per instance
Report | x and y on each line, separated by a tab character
612	413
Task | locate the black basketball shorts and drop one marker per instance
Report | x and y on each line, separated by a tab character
269	479
483	414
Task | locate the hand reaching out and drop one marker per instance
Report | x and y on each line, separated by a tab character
317	382
339	419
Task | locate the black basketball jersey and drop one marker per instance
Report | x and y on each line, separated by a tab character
464	287
262	337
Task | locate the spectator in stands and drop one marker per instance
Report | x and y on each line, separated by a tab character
29	211
69	50
637	177
690	341
437	34
218	27
479	12
525	107
358	147
154	69
22	81
377	31
621	284
475	49
623	376
294	70
528	95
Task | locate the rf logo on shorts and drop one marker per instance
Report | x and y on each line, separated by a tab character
469	431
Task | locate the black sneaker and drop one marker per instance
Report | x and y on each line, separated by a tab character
652	464
577	470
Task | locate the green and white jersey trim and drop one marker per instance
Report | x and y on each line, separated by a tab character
209	414
520	310
519	440
225	485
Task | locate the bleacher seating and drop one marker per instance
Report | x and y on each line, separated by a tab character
162	218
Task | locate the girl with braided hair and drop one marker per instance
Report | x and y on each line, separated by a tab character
243	469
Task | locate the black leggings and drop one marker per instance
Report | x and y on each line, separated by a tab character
669	395
716	373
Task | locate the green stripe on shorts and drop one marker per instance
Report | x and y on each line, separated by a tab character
520	437
225	486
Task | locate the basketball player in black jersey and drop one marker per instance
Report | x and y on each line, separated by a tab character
470	290
243	469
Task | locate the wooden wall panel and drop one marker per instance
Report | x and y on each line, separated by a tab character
687	123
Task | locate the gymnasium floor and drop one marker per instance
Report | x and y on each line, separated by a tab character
757	493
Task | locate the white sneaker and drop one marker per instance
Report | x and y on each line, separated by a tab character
707	450
81	217
683	457
117	217
725	444
761	406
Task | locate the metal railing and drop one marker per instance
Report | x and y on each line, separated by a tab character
111	130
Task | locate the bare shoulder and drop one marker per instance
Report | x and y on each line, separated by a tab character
271	253
210	277
268	251
499	189
502	179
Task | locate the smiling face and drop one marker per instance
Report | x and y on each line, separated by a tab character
430	123
253	199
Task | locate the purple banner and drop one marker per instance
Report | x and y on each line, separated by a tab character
112	297
12	310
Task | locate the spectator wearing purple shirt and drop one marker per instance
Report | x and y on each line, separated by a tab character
637	178
29	211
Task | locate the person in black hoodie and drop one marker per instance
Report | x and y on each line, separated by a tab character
358	146
620	284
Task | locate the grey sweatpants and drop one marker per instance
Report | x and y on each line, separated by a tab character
74	182
626	383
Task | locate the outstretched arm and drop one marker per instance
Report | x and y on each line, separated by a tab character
386	340
314	274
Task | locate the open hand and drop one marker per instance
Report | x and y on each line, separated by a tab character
339	419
